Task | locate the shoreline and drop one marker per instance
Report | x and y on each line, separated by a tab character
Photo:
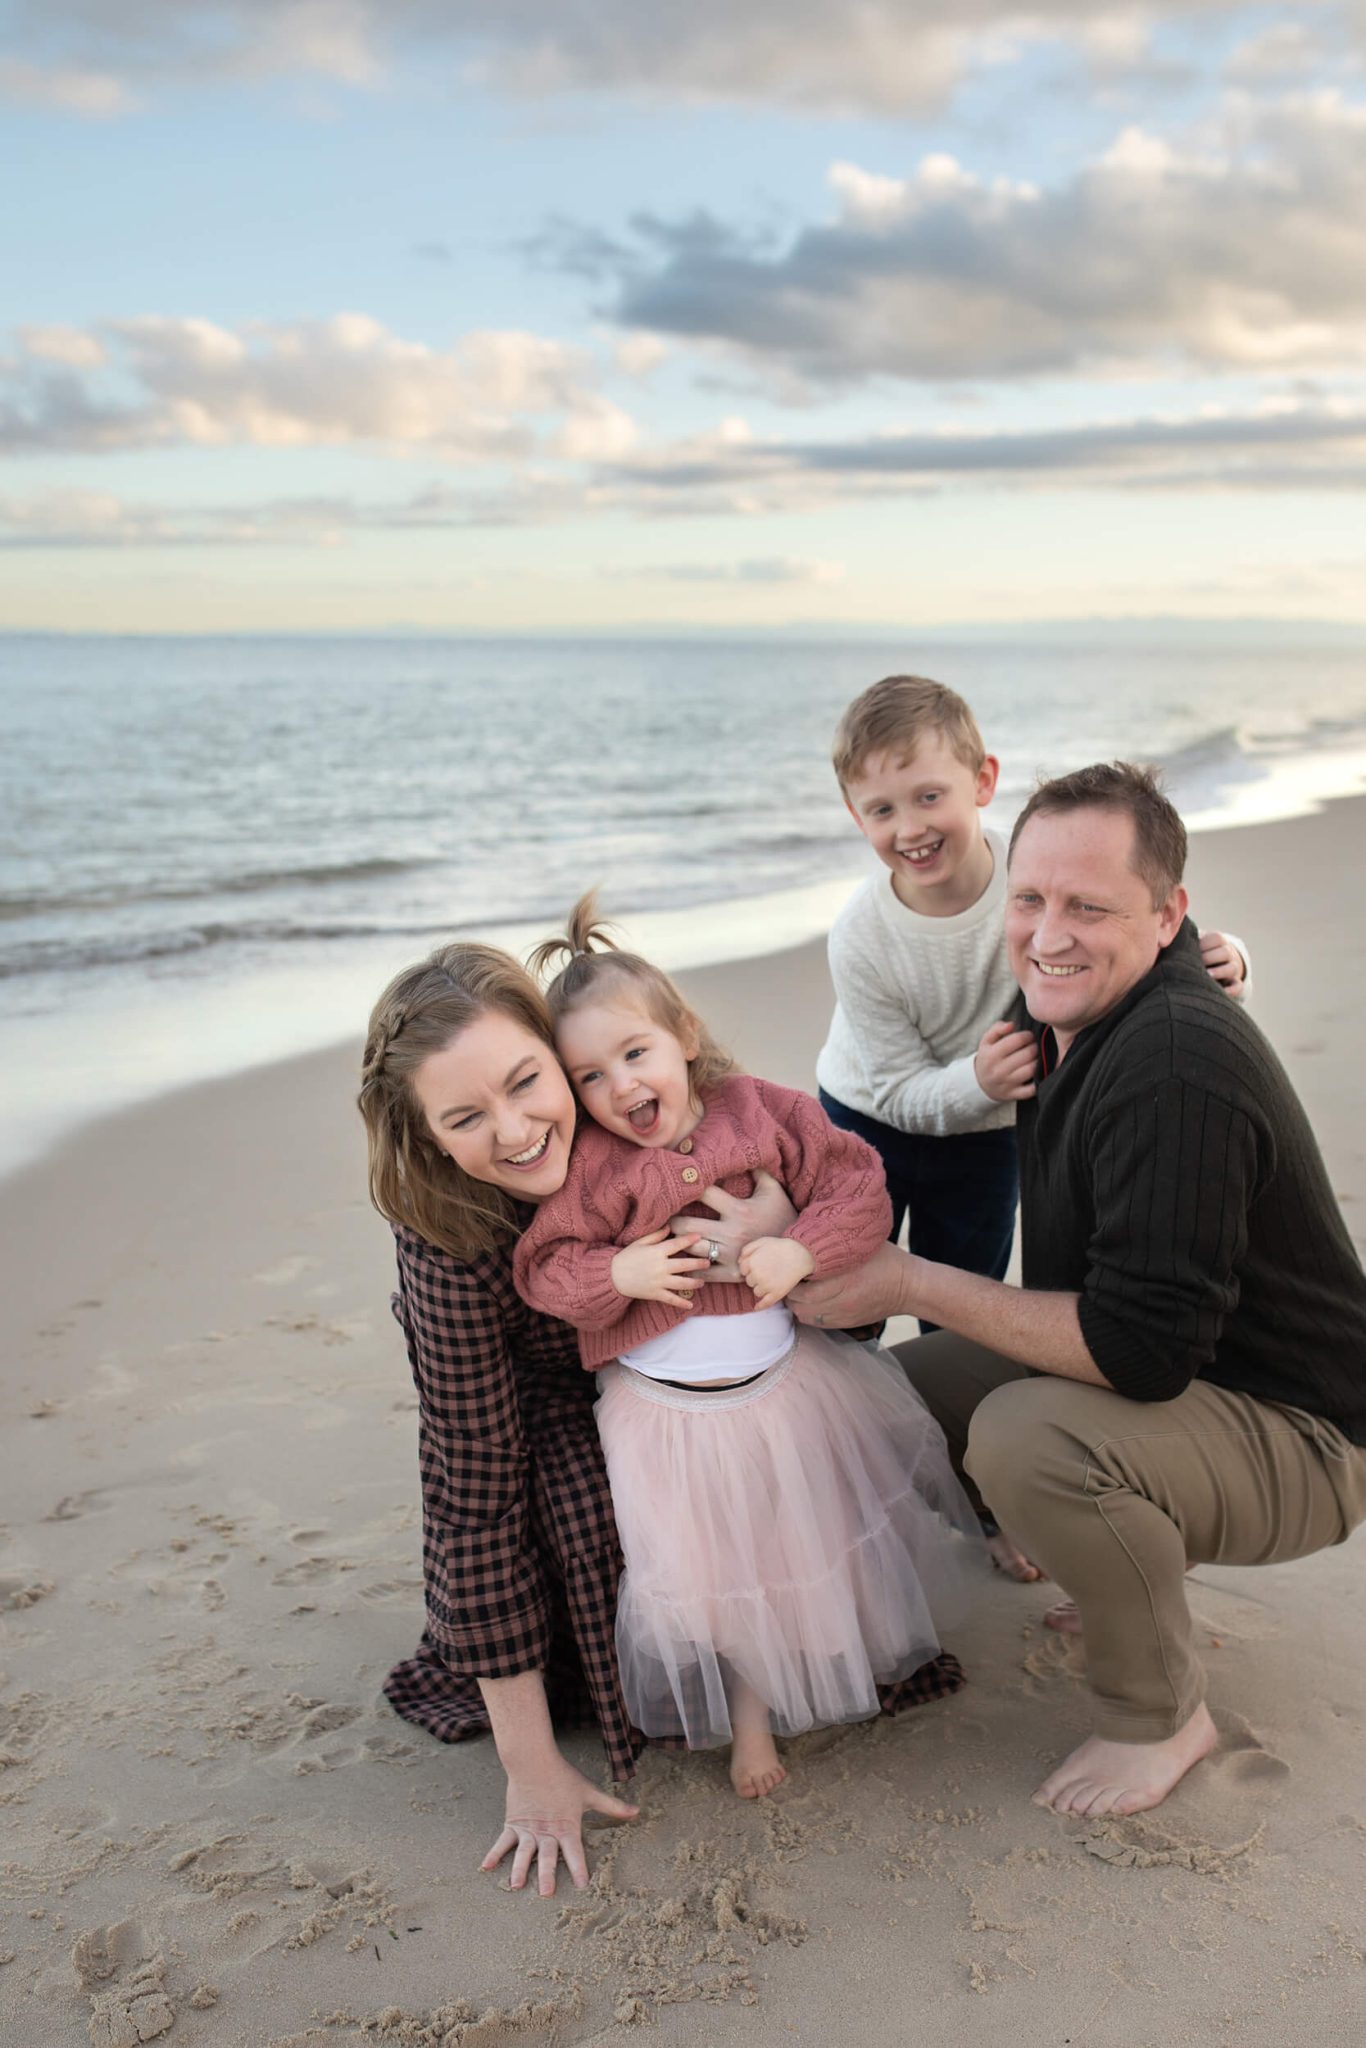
217	1831
1212	874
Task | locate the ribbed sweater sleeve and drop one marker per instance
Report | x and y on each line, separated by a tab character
835	1180
1174	1169
562	1264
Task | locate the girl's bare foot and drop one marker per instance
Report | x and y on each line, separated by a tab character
754	1766
1064	1616
1126	1777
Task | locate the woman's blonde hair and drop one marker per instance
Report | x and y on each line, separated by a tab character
597	968
412	1181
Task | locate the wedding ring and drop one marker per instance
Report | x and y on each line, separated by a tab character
713	1252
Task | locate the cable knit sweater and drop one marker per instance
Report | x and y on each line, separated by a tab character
616	1192
913	996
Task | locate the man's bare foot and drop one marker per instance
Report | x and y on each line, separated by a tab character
754	1766
1126	1777
1007	1557
1064	1616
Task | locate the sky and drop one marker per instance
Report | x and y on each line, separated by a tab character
580	315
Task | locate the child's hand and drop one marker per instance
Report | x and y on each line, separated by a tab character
1005	1062
654	1268
1224	963
772	1266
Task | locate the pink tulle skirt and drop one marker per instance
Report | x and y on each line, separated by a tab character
803	1535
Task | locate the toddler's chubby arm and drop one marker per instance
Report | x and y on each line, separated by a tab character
912	1090
591	1283
837	1184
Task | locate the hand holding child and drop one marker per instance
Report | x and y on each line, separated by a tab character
655	1268
740	1219
1005	1062
772	1266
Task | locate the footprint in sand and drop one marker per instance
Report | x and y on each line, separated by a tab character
391	1589
136	2007
72	1506
22	1592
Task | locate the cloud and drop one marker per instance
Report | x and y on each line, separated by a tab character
1289	445
1303	445
1243	247
166	382
877	56
94	94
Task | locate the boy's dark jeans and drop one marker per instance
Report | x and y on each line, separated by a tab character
960	1192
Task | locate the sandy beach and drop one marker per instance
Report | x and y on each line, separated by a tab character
217	1833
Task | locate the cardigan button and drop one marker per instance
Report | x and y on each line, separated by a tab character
685	1144
690	1174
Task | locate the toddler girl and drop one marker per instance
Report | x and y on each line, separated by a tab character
783	1497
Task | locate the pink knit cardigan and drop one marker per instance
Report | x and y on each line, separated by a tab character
616	1192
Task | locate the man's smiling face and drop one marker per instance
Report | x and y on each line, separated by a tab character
1080	923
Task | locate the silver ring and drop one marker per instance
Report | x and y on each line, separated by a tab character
821	1321
713	1252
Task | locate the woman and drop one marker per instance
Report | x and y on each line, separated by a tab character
469	1121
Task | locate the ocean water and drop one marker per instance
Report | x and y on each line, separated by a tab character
214	851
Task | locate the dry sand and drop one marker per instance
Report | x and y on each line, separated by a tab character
216	1832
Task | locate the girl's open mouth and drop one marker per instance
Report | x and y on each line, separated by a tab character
644	1116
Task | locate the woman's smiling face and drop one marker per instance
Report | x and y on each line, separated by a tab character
496	1100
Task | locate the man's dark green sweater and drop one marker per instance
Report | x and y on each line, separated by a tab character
1168	1175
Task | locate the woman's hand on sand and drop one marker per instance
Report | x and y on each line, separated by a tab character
740	1219
544	1824
772	1266
1005	1063
659	1268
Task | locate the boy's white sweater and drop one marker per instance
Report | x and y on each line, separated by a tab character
913	996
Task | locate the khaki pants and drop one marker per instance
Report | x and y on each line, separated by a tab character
1114	1498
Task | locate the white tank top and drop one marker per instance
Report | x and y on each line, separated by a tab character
715	1347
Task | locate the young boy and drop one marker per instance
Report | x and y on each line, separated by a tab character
917	1060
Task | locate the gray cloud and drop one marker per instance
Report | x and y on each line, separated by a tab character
1296	445
1243	248
881	56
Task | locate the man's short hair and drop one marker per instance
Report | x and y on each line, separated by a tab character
1159	855
895	716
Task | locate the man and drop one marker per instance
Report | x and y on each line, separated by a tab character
1182	1377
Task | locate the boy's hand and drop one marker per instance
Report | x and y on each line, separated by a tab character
772	1266
1224	964
654	1268
1004	1063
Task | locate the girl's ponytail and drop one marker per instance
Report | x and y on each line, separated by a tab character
595	965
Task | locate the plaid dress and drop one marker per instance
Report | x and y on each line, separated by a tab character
520	1552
